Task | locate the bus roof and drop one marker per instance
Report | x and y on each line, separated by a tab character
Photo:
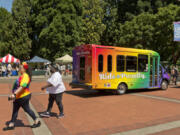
121	49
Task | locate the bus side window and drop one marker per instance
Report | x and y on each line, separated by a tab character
120	62
109	68
131	63
100	63
142	63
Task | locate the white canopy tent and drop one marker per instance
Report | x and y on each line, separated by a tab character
65	59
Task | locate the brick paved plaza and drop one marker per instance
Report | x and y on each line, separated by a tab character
88	112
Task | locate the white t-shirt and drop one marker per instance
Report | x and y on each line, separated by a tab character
63	67
9	67
3	68
56	81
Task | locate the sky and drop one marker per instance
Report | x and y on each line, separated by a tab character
6	4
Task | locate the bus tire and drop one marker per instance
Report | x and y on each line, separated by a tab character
164	85
122	88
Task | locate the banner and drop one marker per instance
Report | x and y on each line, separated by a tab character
176	31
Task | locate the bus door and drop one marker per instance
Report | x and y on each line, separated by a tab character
82	65
153	71
104	68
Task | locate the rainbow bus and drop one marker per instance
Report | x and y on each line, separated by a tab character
115	68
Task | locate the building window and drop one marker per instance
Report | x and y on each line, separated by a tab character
100	63
120	62
131	64
109	63
143	63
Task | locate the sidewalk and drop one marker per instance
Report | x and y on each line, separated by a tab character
6	111
88	112
33	77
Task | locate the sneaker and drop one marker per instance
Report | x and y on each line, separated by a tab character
60	116
45	114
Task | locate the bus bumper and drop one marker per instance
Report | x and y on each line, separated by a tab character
80	85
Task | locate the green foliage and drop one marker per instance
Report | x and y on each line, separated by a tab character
93	27
137	31
163	34
57	27
5	31
110	20
21	43
151	31
14	30
127	9
51	28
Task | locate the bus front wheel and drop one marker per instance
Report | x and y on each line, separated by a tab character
164	85
122	88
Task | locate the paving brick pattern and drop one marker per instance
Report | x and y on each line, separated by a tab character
88	112
23	127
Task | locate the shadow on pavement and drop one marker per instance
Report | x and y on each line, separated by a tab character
18	123
101	93
89	93
175	87
142	91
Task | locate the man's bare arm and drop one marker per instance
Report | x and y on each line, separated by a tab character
46	86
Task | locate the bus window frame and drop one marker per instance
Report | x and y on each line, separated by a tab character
147	64
124	61
101	63
136	63
108	63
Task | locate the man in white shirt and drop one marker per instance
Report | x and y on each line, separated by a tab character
55	87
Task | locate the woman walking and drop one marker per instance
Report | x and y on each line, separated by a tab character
55	88
21	96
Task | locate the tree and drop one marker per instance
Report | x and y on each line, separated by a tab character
127	9
20	43
138	32
93	26
151	31
163	33
5	31
110	21
56	27
120	11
